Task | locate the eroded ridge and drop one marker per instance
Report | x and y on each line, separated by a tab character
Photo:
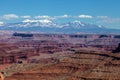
82	65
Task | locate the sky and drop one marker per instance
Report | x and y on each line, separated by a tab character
100	12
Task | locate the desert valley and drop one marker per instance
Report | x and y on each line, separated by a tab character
35	56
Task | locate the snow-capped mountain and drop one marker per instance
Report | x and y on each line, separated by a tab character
47	26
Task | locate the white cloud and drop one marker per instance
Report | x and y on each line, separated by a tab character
1	23
42	21
27	16
44	17
63	16
85	16
9	16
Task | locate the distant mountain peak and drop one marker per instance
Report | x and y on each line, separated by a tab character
2	23
100	26
47	26
77	22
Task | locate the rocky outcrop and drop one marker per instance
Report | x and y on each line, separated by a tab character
117	50
10	53
79	66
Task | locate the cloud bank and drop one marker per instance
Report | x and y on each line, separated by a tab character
9	16
41	21
85	16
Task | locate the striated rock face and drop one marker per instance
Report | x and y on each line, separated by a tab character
117	50
79	66
106	42
28	49
9	53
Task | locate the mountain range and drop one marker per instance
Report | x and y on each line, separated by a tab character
51	27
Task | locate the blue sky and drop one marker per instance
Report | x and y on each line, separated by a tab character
101	12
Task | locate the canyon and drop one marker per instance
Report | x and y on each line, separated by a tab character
34	56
